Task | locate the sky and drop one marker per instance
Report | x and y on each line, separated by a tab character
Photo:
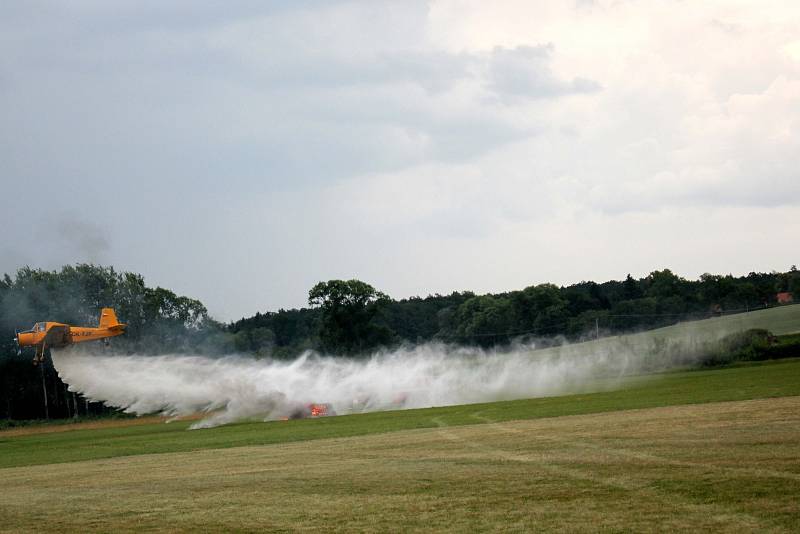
239	152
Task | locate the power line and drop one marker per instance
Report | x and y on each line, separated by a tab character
543	329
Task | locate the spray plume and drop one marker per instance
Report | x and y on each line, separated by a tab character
235	388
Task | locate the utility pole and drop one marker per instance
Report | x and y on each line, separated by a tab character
44	391
597	328
67	401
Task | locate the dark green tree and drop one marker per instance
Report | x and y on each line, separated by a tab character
349	322
631	288
664	283
541	309
485	320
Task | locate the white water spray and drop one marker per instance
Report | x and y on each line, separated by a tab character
234	388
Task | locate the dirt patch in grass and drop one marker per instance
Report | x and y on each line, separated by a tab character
94	425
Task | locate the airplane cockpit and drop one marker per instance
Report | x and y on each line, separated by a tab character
38	327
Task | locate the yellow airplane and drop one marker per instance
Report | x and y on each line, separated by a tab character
57	335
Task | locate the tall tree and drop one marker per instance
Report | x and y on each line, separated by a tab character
349	310
485	320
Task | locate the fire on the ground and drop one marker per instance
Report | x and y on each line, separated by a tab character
311	409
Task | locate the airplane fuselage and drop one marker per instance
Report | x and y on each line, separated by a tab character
70	335
57	335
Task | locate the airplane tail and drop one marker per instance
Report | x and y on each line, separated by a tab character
108	319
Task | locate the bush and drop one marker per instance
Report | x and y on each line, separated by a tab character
784	347
749	345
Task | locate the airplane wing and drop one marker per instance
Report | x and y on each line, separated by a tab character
56	336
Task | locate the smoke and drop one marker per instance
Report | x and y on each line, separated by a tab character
85	239
235	388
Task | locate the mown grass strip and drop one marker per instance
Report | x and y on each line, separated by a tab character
769	379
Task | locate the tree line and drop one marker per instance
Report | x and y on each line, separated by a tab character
352	317
343	317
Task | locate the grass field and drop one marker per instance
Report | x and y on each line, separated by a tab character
779	320
687	337
662	453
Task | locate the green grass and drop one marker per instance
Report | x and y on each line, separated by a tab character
779	320
713	467
768	379
690	336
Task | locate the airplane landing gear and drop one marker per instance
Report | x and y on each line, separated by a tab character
39	356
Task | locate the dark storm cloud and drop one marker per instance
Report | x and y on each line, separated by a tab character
239	98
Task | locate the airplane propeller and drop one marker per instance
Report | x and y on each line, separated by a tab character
16	340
